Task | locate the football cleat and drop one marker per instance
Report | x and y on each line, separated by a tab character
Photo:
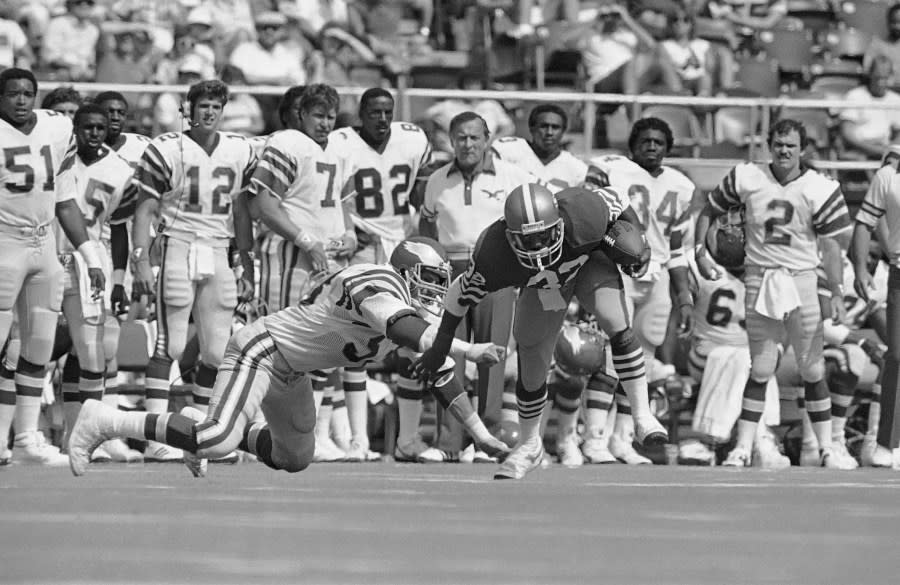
161	453
835	458
649	431
767	456
5	456
120	452
596	451
874	455
526	457
810	456
622	448
493	447
534	227
100	455
423	263
409	452
359	453
435	455
196	465
92	427
738	457
31	448
694	452
567	450
327	452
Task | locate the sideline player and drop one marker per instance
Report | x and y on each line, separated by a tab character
792	213
355	317
192	180
661	196
550	246
381	160
35	187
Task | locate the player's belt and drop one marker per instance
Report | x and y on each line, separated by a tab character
759	270
31	231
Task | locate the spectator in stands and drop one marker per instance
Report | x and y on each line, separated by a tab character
243	115
866	132
232	22
379	23
65	100
313	15
532	13
14	48
185	48
748	17
168	113
70	44
270	59
124	56
689	59
889	47
339	53
201	33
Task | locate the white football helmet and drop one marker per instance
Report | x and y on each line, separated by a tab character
423	263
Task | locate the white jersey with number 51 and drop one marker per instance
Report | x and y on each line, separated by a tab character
195	189
380	182
566	170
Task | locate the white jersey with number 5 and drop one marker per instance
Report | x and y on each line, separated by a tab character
380	182
29	169
782	222
195	189
344	321
566	170
662	203
307	179
102	188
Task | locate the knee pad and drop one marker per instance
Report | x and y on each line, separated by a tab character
651	323
624	342
37	344
814	370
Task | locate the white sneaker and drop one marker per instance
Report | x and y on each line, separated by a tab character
524	458
493	447
161	453
738	457
874	455
409	452
94	423
694	452
100	455
360	453
649	431
596	451
479	456
567	450
623	450
810	456
435	455
119	452
327	451
467	455
834	458
31	448
766	455
5	456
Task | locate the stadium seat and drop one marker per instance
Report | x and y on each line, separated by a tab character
759	75
732	124
791	48
685	125
848	43
867	16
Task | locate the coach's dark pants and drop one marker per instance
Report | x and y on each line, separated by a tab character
889	424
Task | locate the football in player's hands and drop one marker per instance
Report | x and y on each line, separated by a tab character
624	243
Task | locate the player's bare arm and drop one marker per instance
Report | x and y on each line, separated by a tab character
704	263
72	222
243	236
348	242
863	282
271	214
833	264
119	251
145	213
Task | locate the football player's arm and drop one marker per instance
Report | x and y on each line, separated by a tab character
243	237
118	244
414	332
705	265
145	213
833	264
71	220
428	213
273	216
870	215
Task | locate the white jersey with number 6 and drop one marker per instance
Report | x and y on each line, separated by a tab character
29	168
195	189
782	222
307	179
719	309
566	170
102	188
380	182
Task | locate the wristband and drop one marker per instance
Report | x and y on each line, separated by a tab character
699	250
303	241
91	255
838	290
685	298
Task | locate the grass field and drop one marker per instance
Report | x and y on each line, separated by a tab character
388	523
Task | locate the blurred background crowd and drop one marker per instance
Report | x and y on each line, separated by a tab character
739	48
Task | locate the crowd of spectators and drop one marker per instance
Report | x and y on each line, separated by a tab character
680	47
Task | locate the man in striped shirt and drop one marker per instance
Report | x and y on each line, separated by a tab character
792	213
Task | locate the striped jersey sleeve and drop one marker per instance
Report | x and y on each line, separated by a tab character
873	205
493	267
153	175
725	195
276	170
250	168
65	179
832	216
379	296
127	205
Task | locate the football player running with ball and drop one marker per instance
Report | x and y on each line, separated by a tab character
552	247
791	213
355	317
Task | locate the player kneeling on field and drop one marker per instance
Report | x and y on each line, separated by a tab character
354	317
